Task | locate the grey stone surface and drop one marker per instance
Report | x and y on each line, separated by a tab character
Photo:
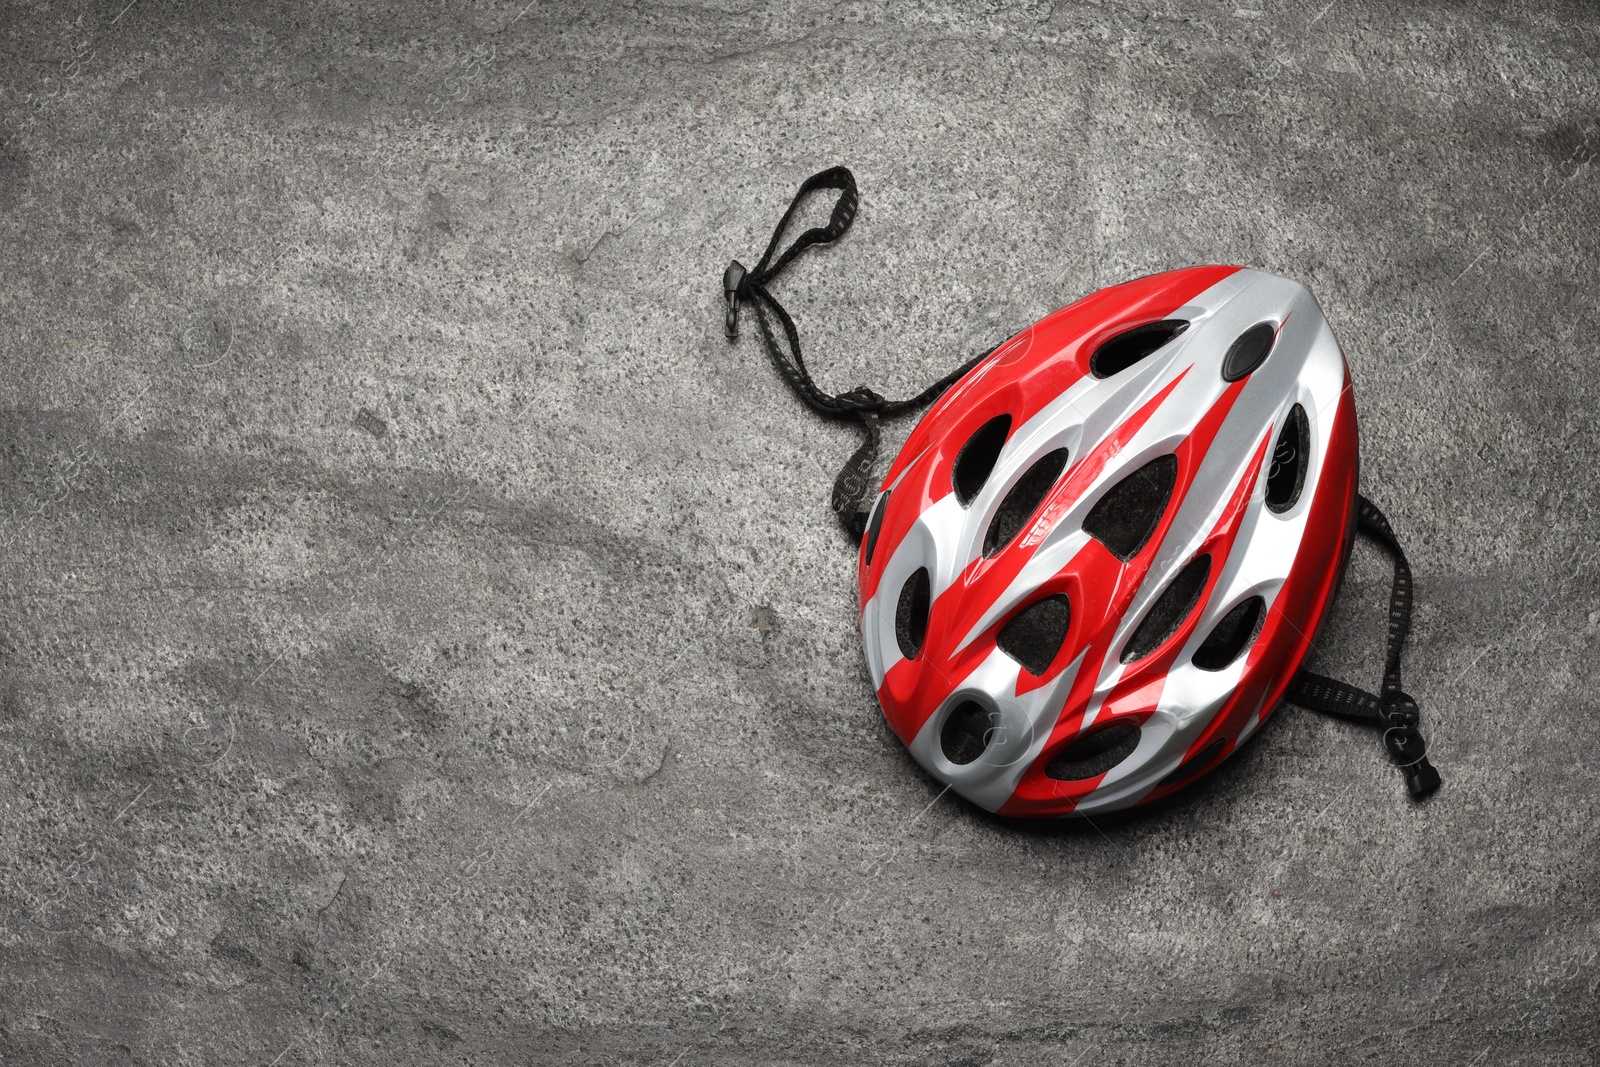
423	639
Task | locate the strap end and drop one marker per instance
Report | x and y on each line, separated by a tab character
1422	780
732	281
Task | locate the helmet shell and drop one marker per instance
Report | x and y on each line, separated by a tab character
1099	559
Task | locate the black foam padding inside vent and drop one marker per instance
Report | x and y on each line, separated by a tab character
911	616
1173	606
977	458
966	732
1023	500
1094	754
1131	346
1231	636
1130	511
1290	457
1035	634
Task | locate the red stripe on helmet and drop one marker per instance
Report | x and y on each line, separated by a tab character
1137	692
1024	375
913	689
1301	605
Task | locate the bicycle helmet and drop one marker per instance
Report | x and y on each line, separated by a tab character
1098	562
1100	558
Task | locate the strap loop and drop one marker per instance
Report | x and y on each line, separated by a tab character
854	483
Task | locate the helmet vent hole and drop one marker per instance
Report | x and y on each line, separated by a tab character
1248	351
1023	500
1094	754
966	732
1131	346
1125	517
1290	456
977	458
911	617
1171	608
1035	634
1197	763
874	526
1230	637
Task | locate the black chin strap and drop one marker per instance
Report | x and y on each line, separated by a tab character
1392	711
853	486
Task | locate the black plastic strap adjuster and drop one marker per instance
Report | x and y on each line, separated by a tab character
732	281
1399	709
1405	744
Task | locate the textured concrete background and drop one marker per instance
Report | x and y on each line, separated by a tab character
423	638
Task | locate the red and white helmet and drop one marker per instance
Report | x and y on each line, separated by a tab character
1100	558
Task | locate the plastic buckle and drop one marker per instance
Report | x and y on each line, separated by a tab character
732	279
1405	743
1398	709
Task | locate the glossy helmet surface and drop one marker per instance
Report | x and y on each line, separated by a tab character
1099	559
